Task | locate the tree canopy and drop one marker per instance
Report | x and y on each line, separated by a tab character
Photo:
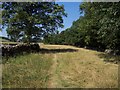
31	20
98	28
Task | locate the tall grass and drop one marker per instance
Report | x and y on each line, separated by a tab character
61	68
27	71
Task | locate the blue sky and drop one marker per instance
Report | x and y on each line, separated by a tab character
71	8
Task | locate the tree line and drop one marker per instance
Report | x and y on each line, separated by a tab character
99	27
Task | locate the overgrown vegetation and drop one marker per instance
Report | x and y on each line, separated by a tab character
99	28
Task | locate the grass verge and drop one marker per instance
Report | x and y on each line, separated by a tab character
27	71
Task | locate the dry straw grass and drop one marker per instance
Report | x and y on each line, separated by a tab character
81	68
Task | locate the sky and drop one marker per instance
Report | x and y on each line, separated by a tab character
73	13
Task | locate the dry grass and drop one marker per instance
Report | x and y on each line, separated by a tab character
82	68
27	71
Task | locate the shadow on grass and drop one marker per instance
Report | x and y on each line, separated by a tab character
110	58
43	50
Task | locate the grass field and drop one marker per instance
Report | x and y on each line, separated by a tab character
3	39
61	66
6	41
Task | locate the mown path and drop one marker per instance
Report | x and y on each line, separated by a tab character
53	80
78	67
61	66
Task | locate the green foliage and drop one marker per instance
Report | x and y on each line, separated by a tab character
30	20
98	28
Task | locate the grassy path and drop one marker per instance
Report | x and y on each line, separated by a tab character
81	68
61	66
53	80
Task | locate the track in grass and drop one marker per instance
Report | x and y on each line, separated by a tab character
53	80
60	66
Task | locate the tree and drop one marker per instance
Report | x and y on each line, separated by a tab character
99	28
109	31
31	20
